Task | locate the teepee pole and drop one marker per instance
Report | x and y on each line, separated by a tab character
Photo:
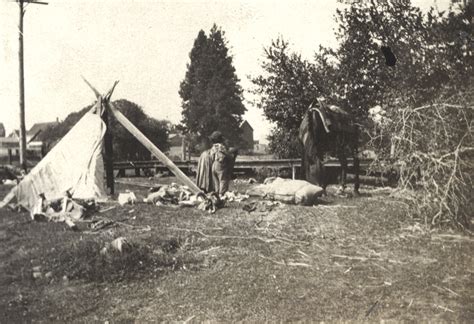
108	148
153	149
8	198
102	111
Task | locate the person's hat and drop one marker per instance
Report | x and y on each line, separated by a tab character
216	136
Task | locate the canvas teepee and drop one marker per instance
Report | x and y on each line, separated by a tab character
76	165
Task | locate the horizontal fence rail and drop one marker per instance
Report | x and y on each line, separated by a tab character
277	163
240	165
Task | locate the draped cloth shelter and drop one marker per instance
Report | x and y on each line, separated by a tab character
75	165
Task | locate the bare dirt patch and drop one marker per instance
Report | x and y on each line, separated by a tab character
361	259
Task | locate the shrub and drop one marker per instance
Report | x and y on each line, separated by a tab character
433	149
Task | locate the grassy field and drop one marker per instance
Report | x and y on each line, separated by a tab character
347	259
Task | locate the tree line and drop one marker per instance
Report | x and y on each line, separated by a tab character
125	145
434	57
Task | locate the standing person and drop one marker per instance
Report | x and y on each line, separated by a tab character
204	171
220	163
215	166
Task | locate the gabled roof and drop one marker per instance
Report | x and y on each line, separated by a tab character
243	122
15	133
39	127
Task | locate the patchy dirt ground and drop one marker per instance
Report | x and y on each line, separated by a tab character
357	259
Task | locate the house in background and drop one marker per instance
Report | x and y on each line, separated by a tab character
10	146
246	136
34	131
179	149
260	148
2	130
37	128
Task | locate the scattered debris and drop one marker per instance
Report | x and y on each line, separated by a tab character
189	319
168	194
251	237
235	196
209	250
100	224
246	181
37	272
175	194
250	207
120	244
64	210
451	238
211	203
285	263
9	182
416	228
261	206
107	209
334	206
364	259
447	289
37	275
444	308
127	197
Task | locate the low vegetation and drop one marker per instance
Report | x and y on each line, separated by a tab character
363	259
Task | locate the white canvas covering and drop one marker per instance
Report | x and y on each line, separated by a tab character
289	191
75	164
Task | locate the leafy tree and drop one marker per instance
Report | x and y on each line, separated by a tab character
432	52
211	95
426	96
125	146
286	90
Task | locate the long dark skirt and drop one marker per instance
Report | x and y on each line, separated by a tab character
204	172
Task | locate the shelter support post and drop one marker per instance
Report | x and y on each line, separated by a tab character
108	153
153	149
183	149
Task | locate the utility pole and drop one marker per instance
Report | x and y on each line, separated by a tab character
22	82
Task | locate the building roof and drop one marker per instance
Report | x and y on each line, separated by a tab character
243	122
39	127
15	133
2	130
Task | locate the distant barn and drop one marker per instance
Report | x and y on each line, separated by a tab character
246	136
2	130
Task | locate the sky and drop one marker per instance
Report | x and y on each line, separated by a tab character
145	45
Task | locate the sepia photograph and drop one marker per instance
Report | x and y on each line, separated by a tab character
225	161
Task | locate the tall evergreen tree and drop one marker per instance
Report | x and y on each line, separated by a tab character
211	94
